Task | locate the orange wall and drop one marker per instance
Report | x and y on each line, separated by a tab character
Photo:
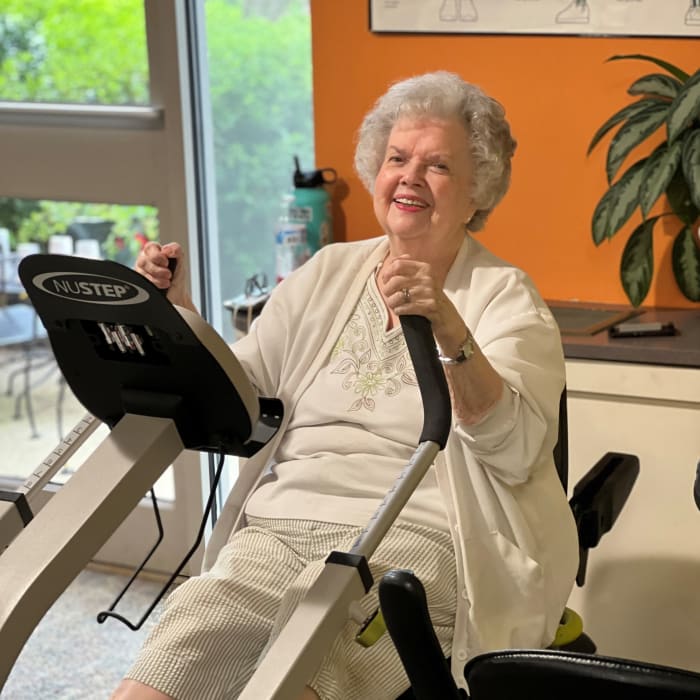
557	91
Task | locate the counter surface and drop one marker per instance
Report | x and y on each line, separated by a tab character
682	349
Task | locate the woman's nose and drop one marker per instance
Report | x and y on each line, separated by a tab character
412	174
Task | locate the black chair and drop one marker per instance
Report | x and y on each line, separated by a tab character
540	674
596	502
552	675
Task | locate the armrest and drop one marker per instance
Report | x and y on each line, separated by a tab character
598	499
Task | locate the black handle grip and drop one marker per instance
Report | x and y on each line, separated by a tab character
437	408
172	264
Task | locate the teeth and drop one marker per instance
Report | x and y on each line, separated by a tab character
411	202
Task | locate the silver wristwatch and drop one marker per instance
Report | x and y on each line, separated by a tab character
466	350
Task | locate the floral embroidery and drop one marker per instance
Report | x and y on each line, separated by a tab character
372	360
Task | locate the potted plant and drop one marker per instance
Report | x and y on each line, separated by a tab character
670	100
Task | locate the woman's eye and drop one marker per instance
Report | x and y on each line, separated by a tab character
440	166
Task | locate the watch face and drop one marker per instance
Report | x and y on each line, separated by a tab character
467	349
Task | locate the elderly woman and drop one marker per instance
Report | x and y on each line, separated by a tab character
488	531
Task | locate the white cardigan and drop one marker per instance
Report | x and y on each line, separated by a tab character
514	535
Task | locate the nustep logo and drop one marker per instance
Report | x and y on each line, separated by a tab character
91	289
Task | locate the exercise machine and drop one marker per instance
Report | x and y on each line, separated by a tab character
163	381
128	356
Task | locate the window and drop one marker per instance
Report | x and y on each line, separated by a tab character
37	409
84	51
84	142
208	151
259	87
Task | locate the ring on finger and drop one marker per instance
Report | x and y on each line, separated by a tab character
406	295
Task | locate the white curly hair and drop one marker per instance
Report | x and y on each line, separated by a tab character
444	95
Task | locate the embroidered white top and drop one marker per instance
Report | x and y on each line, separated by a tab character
353	431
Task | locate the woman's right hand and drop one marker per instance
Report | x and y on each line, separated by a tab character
153	263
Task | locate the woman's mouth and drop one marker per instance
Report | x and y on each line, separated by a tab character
409	203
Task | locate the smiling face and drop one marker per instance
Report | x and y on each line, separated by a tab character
421	193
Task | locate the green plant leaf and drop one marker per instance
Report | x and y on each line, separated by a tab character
685	258
621	115
617	204
637	128
658	171
637	264
658	84
684	108
691	165
680	200
673	70
601	216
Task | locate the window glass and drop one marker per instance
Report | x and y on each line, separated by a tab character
73	51
118	231
259	56
37	409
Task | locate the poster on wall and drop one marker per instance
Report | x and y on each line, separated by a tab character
594	17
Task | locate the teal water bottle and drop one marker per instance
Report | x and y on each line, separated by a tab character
311	205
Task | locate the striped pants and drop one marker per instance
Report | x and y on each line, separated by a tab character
215	627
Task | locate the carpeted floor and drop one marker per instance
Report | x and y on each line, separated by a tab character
70	656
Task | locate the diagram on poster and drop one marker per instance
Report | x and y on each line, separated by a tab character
596	17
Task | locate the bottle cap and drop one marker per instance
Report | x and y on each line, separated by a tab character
313	178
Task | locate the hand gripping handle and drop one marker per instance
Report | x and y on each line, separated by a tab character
437	409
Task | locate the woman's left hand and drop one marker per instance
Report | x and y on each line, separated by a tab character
411	287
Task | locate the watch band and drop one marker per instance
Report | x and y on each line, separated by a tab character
466	350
